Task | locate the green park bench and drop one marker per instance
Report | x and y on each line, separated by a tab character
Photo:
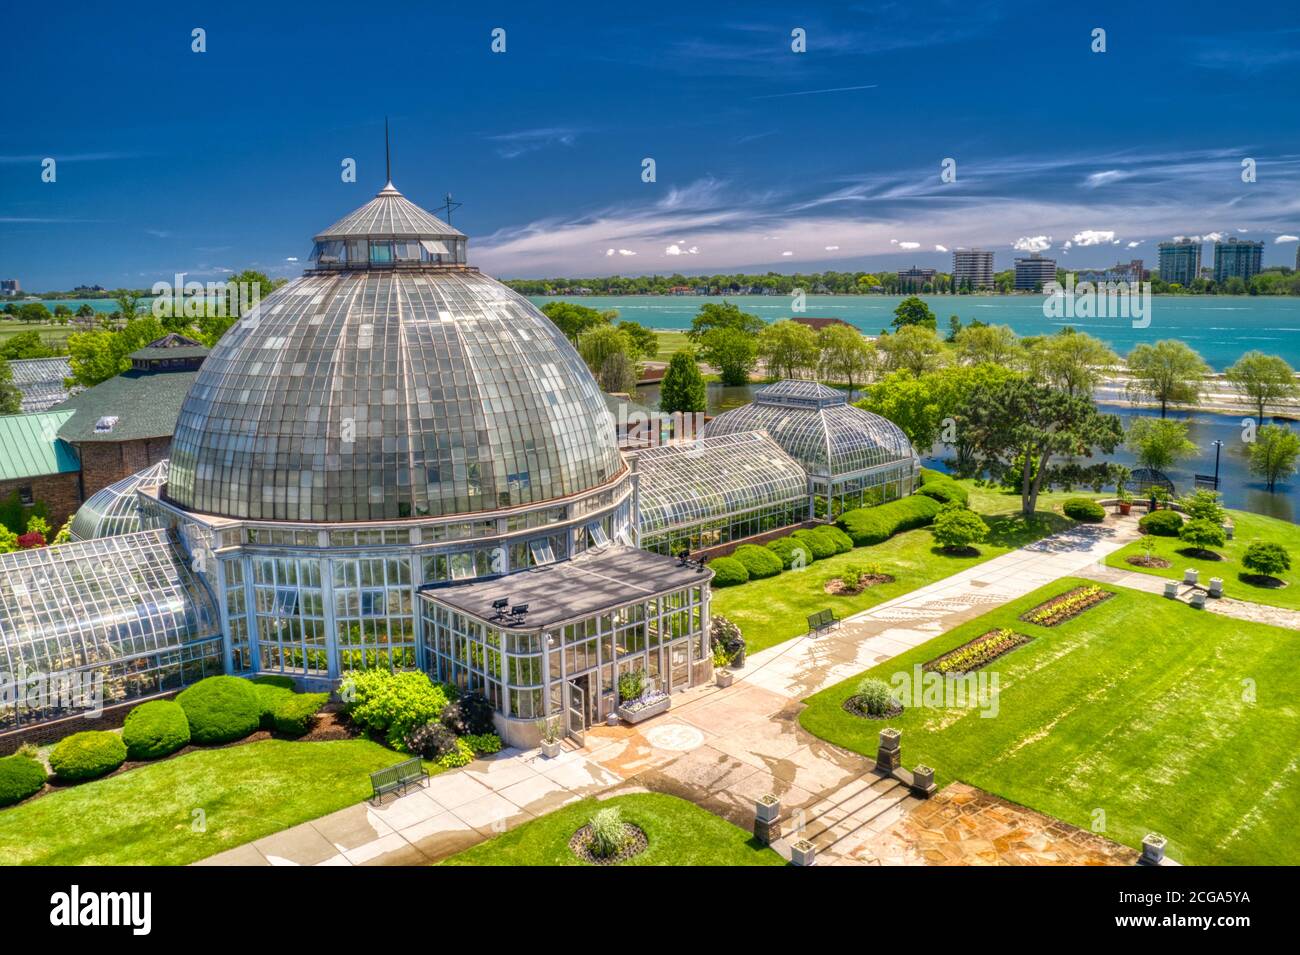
398	776
821	621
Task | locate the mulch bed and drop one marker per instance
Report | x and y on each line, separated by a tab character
1057	620
837	588
1020	640
637	843
851	707
1141	560
1196	553
1263	580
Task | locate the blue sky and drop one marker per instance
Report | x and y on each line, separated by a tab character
174	161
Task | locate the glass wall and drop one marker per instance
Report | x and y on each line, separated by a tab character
372	613
290	609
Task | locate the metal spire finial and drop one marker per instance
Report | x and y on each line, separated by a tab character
388	166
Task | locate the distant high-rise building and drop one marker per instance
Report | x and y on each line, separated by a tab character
1033	273
1237	258
1180	261
914	279
10	287
972	268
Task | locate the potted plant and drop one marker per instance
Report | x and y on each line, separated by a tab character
721	675
551	736
638	700
1125	501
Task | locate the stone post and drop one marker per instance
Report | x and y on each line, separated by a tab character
1216	586
1192	577
803	852
767	825
1171	589
1198	599
1153	849
889	755
923	781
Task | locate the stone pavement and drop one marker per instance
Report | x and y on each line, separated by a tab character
1226	606
723	748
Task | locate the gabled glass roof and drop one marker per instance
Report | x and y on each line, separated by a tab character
716	476
113	509
830	438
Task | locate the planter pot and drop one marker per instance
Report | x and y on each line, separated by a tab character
724	677
803	852
1125	507
613	718
551	750
645	712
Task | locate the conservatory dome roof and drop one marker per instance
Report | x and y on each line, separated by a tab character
817	427
391	215
371	393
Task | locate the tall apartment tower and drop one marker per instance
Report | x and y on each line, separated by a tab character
1237	258
1180	261
1033	273
972	268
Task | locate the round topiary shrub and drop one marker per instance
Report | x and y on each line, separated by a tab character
1082	509
296	713
270	696
843	542
469	715
728	572
20	777
155	729
275	679
759	562
945	492
1161	523
221	709
791	552
87	755
432	741
1266	559
822	546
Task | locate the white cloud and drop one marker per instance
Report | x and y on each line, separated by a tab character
1093	237
836	248
787	253
1101	178
1032	243
626	252
1211	237
291	258
1287	238
676	249
940	248
1135	243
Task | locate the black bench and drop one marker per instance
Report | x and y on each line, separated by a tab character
821	621
398	776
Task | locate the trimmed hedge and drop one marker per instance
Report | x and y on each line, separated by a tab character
87	755
1161	523
155	729
930	474
728	572
270	696
946	491
843	542
1082	509
295	714
758	561
874	525
221	709
276	679
787	547
20	777
821	545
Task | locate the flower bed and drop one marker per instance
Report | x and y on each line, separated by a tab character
635	844
981	651
1143	560
839	587
648	704
854	705
1066	606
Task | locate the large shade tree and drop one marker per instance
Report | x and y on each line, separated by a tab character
1168	373
1018	420
913	348
1070	361
726	339
1273	454
845	355
1263	380
1159	443
788	348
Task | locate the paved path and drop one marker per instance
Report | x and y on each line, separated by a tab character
721	749
1226	606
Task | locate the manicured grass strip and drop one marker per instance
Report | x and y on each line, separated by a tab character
1249	527
146	816
680	833
1164	717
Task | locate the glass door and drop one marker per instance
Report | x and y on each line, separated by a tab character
575	710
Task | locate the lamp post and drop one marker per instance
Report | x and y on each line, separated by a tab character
1218	446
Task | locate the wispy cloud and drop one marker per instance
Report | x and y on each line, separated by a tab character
516	144
69	157
833	89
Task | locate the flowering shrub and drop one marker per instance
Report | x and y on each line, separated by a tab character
1069	604
484	743
31	540
469	715
462	754
393	704
976	653
726	640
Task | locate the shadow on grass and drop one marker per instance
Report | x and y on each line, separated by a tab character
1016	530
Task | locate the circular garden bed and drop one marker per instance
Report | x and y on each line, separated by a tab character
636	843
837	587
1142	560
853	706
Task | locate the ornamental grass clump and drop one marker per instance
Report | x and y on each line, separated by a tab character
609	833
874	697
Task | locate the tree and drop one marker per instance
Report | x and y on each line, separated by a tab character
732	352
1273	454
617	373
981	343
1168	372
85	310
11	399
957	529
1016	418
913	348
914	311
1262	380
1070	361
1266	559
1159	443
645	342
128	303
788	348
909	402
574	320
105	353
1203	536
599	346
26	345
683	387
714	315
33	312
1204	505
845	355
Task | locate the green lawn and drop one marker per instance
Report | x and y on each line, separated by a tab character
144	816
671	342
50	334
1249	527
776	609
1138	707
679	833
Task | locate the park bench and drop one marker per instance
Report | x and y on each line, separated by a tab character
821	621
398	776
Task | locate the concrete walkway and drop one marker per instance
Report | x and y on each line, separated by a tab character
1225	606
723	748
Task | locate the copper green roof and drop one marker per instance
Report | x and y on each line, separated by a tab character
30	447
145	404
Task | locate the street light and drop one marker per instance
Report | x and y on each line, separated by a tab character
1218	446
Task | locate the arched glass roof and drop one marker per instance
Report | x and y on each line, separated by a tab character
716	476
113	510
125	608
817	427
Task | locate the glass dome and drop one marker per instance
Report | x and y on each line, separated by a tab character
112	510
817	427
386	392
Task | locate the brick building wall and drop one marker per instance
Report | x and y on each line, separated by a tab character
104	462
60	493
43	734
